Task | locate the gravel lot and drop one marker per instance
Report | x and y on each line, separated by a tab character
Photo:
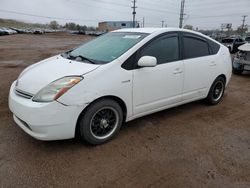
193	145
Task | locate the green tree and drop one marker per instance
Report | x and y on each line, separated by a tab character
241	30
190	27
53	25
71	26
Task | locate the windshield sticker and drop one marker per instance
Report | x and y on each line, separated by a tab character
132	36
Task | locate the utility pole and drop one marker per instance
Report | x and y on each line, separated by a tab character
243	24
143	22
134	12
162	23
182	13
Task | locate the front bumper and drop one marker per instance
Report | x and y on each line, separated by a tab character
44	121
240	64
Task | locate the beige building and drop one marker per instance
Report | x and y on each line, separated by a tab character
113	25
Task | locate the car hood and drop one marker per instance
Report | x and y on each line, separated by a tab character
245	47
39	75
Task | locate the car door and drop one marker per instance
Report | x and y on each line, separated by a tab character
199	66
157	87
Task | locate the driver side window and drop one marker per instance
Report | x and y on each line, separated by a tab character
165	49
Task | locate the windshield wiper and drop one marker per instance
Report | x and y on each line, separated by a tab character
84	58
68	55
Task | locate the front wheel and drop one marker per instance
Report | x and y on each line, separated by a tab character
101	121
216	91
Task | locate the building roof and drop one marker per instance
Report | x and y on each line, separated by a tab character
117	21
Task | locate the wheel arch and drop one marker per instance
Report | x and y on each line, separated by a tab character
115	98
223	76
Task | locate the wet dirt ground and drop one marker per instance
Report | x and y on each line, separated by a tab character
193	145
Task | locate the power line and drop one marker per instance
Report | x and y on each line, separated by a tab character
225	2
123	5
213	16
48	17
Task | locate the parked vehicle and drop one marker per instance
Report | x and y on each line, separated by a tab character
7	31
18	30
242	60
247	39
115	78
3	32
232	43
37	31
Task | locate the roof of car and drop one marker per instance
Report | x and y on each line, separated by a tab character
150	30
158	30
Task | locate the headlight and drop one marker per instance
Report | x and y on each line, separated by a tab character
56	89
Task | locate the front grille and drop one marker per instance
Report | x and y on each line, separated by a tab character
24	123
23	94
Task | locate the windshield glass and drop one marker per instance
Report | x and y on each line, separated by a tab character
108	47
247	39
227	40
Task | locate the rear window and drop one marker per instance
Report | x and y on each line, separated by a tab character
214	47
247	39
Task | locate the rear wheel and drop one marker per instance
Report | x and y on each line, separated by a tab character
216	91
101	121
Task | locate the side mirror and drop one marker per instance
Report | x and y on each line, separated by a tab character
147	61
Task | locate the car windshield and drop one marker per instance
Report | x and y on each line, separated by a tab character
247	39
106	48
227	40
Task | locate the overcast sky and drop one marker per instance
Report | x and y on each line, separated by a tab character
206	14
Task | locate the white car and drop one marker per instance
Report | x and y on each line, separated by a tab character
129	73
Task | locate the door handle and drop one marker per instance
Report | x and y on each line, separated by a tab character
212	64
177	71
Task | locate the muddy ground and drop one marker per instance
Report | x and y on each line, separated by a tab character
193	145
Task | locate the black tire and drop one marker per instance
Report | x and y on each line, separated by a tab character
216	91
97	124
237	71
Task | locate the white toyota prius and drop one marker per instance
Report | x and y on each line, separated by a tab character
92	90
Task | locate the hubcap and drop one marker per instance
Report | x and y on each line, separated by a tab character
218	90
104	122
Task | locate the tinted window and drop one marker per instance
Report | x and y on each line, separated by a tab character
130	62
194	47
214	47
165	49
248	39
227	40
